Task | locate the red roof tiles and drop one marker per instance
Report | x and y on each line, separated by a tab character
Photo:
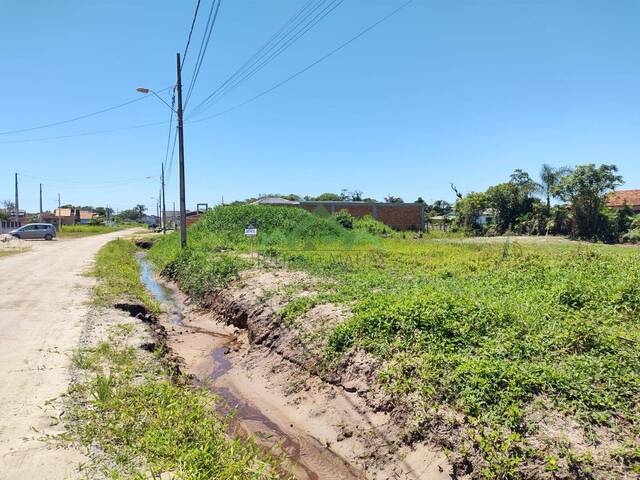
618	199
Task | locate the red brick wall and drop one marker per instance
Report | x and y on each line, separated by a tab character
400	216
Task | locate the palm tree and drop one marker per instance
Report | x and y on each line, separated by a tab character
549	179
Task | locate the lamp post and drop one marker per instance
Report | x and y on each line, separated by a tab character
163	219
183	208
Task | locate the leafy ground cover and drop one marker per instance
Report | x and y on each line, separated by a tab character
127	406
527	353
78	231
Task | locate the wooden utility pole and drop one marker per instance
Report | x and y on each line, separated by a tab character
40	216
183	206
16	205
164	208
59	219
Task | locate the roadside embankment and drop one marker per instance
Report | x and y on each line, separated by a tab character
129	407
518	360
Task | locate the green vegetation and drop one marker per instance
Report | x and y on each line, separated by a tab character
145	425
513	207
498	333
5	252
142	423
77	231
118	273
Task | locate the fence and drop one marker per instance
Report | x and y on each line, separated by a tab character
7	225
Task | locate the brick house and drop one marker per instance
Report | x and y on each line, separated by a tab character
400	216
616	200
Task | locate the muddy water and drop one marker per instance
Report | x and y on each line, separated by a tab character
311	460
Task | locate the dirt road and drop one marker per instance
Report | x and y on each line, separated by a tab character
43	298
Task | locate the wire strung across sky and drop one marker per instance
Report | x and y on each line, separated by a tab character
204	44
308	67
239	105
81	117
193	24
277	44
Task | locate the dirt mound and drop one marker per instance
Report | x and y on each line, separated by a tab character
9	241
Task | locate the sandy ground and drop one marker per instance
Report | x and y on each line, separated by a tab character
42	312
329	433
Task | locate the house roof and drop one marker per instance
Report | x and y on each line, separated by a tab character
274	201
618	199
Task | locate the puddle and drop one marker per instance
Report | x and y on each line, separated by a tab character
312	460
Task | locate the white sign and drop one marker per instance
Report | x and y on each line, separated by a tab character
250	232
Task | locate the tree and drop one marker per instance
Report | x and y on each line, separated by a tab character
512	200
419	200
624	218
585	190
328	197
439	207
393	199
468	209
549	180
134	214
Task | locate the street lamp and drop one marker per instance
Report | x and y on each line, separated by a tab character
183	207
163	219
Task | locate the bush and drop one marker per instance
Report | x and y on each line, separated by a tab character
344	218
632	236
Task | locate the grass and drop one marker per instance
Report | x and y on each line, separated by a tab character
79	231
118	274
126	407
5	252
495	333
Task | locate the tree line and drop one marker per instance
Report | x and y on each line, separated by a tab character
524	206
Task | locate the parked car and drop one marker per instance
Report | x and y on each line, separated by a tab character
44	231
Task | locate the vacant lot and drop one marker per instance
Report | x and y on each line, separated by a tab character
521	359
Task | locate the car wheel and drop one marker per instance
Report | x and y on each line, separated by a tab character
17	236
48	236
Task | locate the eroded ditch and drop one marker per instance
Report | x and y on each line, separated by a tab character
311	459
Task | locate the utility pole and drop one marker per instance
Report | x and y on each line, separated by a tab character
174	215
17	206
40	216
183	206
59	219
164	208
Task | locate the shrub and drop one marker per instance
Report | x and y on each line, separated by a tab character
344	218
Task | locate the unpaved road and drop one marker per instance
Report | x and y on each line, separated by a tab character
43	297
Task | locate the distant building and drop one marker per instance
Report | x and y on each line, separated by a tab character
276	202
401	216
616	200
71	216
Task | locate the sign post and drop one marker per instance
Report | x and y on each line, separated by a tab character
251	232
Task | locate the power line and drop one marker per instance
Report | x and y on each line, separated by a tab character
308	67
250	68
193	23
166	155
206	37
81	117
308	8
83	134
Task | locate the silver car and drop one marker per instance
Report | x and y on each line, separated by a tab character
44	231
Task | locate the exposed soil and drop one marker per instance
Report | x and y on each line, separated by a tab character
333	428
42	312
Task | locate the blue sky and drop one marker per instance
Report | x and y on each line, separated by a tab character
444	91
